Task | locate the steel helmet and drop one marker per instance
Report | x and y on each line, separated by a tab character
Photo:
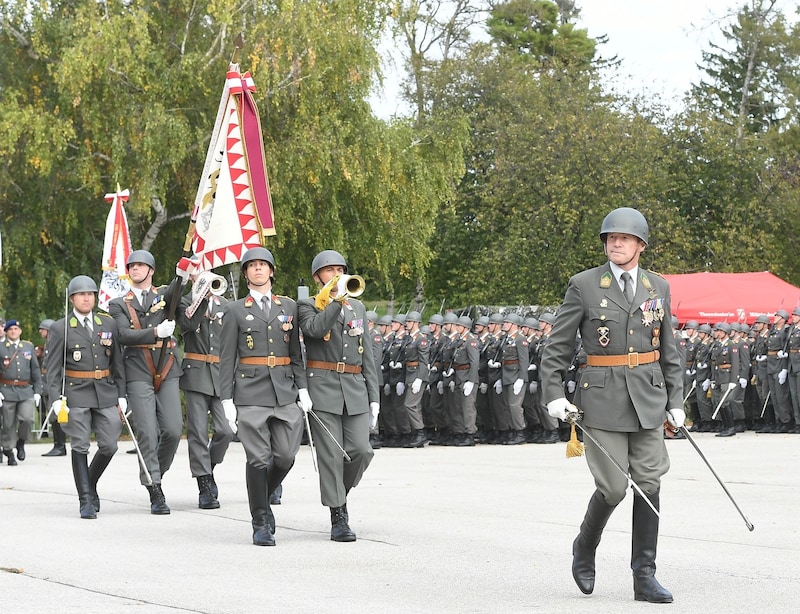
450	318
548	318
763	319
704	328
625	220
464	321
483	321
257	253
782	313
513	318
413	316
691	324
496	318
325	258
723	326
385	320
399	317
84	283
142	256
372	316
532	323
436	318
46	324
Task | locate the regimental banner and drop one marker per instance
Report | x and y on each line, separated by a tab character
233	208
116	249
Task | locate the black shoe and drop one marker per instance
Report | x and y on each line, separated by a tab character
158	502
463	440
515	438
206	499
550	437
375	442
418	440
58	450
10	455
131	451
728	432
647	588
340	529
21	449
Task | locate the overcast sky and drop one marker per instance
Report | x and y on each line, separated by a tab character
659	41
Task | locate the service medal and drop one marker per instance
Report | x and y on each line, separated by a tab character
76	355
603	338
249	341
647	318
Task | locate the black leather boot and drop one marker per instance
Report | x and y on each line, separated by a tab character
213	483
59	441
10	456
80	471
340	528
728	428
21	449
585	545
158	502
643	552
96	468
274	483
418	439
263	520
206	499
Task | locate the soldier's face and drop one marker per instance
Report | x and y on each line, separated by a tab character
624	249
258	273
83	301
326	273
14	333
140	273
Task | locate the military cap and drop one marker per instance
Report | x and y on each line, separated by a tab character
723	326
141	256
399	317
796	311
532	323
450	318
425	329
10	323
46	324
513	318
413	316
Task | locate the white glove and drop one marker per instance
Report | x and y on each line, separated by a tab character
571	386
518	386
743	382
1	399
782	354
165	329
387	389
532	367
416	386
498	386
123	404
55	407
557	408
731	385
448	373
440	387
493	364
702	365
230	414
452	386
689	372
304	400
705	385
374	410
782	376
484	387
533	387
37	398
400	388
434	369
468	388
676	417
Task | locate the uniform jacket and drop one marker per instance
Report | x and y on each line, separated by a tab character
724	363
202	335
466	360
88	352
514	358
794	349
337	334
248	332
417	350
138	342
776	342
20	364
616	398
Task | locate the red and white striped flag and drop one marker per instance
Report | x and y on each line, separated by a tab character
233	208
116	249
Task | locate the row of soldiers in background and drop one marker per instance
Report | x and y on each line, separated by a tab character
739	377
451	383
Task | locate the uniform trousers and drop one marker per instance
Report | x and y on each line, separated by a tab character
436	407
399	411
513	403
17	421
105	422
412	401
704	407
548	422
794	393
270	435
497	406
387	415
780	399
202	454
642	454
468	408
158	424
336	476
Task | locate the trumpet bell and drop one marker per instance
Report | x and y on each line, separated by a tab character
206	283
351	285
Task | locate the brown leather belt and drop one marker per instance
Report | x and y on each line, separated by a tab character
790	351
154	346
96	374
723	366
634	359
515	361
339	367
14	382
461	367
269	361
201	357
412	363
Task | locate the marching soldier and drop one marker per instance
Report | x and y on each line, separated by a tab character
202	334
778	371
447	385
438	418
84	353
343	388
465	384
261	378
20	390
793	346
689	342
632	381
154	398
377	351
703	378
494	380
534	427
484	418
416	355
725	369
765	420
549	423
739	338
59	438
397	382
514	367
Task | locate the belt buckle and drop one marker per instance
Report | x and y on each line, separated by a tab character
97	374
340	367
16	382
631	365
271	361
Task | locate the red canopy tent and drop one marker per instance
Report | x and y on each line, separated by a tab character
730	297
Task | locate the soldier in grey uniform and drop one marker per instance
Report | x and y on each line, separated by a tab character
514	367
263	385
484	419
88	361
763	423
377	351
397	381
154	398
793	348
200	384
343	387
778	371
416	357
724	364
466	359
59	437
549	423
689	342
703	378
632	382
438	418
20	390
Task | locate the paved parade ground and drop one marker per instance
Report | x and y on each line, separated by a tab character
484	529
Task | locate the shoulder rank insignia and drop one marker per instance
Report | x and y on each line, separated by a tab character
276	300
605	280
73	322
248	302
645	281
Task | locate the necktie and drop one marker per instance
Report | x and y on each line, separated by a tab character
87	324
265	305
145	298
627	287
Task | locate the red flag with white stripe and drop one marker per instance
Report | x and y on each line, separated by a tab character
233	208
116	249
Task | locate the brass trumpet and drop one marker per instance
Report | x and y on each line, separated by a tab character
347	286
